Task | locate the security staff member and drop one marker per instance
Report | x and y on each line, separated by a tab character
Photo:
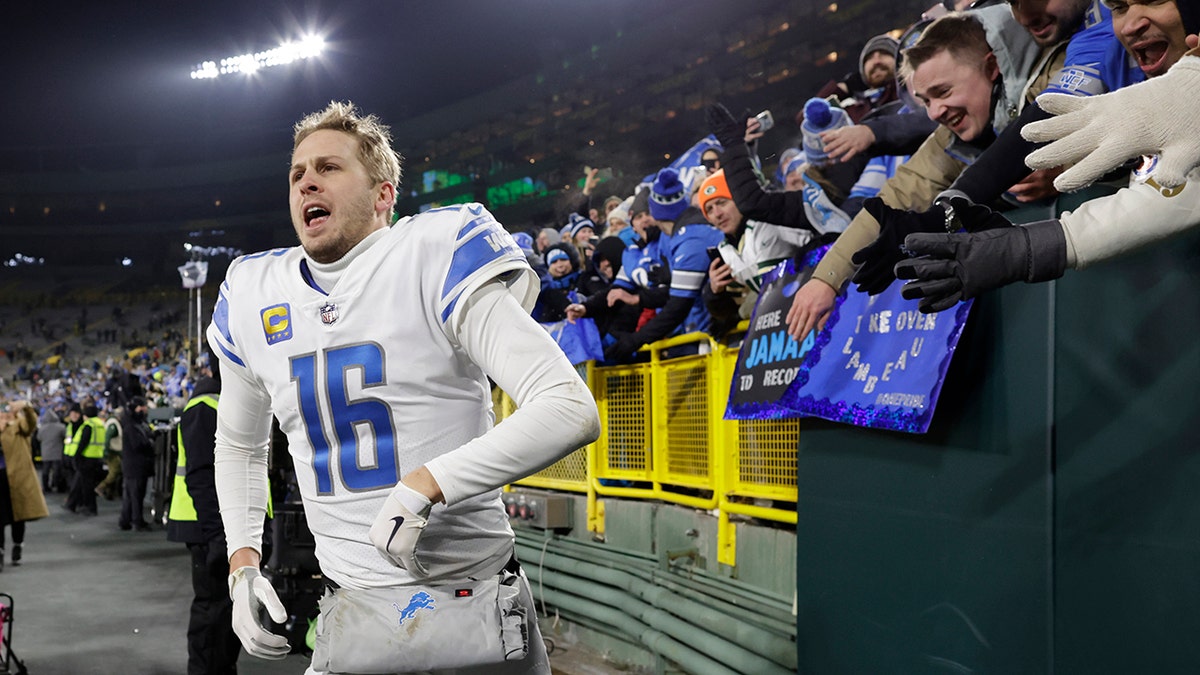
87	442
195	519
71	424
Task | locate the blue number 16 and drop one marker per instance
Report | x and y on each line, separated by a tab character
346	415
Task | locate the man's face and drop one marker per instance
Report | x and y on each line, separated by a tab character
711	161
605	269
641	221
723	214
74	416
957	93
1050	21
880	67
1151	31
334	204
543	241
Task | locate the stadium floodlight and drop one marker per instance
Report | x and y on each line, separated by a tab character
305	48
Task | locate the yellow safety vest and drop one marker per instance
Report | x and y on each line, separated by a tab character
182	506
95	446
69	444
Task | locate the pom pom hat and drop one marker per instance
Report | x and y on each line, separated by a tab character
667	196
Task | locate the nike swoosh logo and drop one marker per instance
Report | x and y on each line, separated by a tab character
398	520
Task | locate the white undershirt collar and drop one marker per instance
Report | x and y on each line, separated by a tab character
326	275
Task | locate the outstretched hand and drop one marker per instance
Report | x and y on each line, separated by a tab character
1099	133
728	129
811	308
877	259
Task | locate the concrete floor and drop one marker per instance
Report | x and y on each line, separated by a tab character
91	599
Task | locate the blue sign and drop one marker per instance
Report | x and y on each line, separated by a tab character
878	363
769	359
580	341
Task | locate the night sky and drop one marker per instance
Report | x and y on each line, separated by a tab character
116	73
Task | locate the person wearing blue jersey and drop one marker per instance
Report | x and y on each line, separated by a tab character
683	245
372	344
641	284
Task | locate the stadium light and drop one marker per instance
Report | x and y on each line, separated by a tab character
285	53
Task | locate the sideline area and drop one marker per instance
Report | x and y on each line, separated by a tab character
91	599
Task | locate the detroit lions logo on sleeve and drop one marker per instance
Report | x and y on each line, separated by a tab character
480	243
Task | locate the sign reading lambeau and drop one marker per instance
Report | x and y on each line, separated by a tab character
879	362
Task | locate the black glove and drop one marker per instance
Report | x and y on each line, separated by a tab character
876	261
974	217
728	129
623	348
964	265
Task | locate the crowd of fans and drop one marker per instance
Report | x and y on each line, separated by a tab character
688	250
934	111
75	420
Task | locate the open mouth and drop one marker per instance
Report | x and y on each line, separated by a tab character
315	216
1042	32
1150	55
952	122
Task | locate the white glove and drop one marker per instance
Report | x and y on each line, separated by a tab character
1101	132
398	528
250	592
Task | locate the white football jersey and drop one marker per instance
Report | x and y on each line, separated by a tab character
368	382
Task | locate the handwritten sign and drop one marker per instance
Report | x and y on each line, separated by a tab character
769	358
879	363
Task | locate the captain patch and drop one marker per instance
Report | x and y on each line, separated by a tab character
277	323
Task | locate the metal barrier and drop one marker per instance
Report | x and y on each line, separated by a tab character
663	436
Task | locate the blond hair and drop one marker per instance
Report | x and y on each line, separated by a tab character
374	138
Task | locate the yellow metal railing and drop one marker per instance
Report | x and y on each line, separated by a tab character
663	436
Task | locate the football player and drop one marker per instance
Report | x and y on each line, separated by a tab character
372	343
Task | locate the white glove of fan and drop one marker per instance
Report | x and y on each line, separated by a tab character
1100	132
250	592
398	528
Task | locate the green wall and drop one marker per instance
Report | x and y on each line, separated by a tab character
1047	523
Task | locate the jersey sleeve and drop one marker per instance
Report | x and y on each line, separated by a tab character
219	333
630	258
555	411
1096	62
690	261
481	250
1131	217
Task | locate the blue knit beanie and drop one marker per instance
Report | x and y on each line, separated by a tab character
667	196
578	222
524	240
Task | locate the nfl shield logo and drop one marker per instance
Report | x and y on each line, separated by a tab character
329	313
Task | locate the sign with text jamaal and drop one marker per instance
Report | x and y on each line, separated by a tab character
769	358
878	363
